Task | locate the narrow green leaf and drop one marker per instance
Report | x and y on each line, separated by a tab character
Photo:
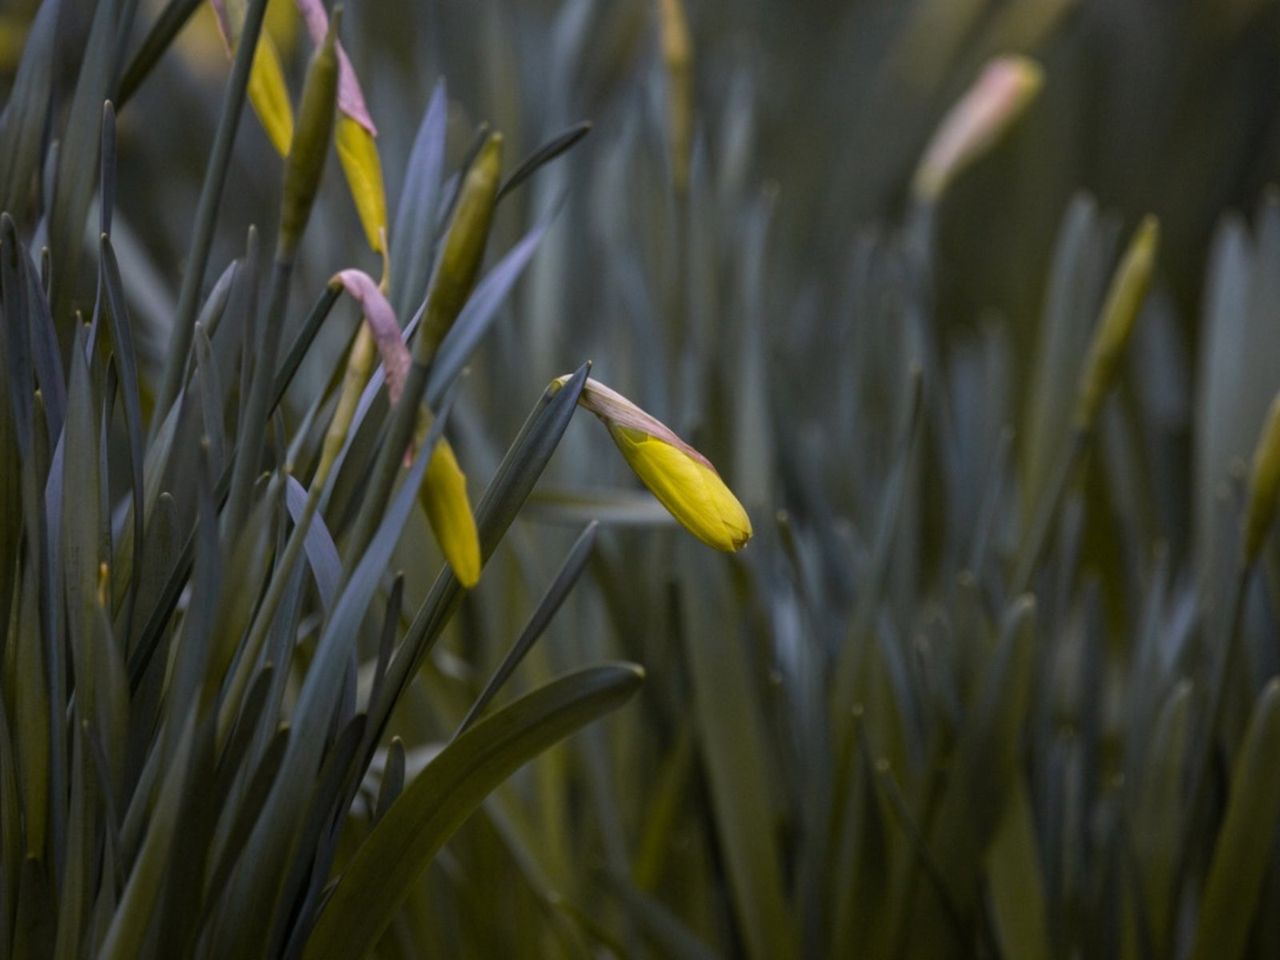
126	363
77	889
22	127
79	534
159	38
564	580
735	755
249	809
11	851
392	782
1158	814
562	142
322	552
107	169
1244	847
134	915
202	227
661	926
1017	881
326	806
415	221
46	355
77	171
302	342
208	386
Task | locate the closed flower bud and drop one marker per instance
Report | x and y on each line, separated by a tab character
1264	486
463	248
683	480
1119	313
996	99
443	496
311	137
358	154
355	136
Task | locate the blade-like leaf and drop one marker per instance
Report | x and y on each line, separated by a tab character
1244	847
415	222
568	575
22	127
446	793
159	38
544	154
77	174
322	553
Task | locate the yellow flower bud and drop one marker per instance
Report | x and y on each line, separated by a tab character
463	248
683	480
996	99
267	91
269	94
1264	485
311	137
1119	313
358	153
443	495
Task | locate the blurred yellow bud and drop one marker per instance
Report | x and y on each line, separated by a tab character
268	92
997	98
358	153
1264	486
270	95
443	496
683	480
1124	300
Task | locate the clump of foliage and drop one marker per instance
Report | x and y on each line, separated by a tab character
995	675
201	659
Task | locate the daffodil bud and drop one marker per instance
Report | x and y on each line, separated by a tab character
355	136
683	480
358	154
311	137
1264	486
267	90
443	496
677	57
989	107
463	248
1124	300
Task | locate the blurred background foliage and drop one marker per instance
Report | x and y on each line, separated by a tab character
868	734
